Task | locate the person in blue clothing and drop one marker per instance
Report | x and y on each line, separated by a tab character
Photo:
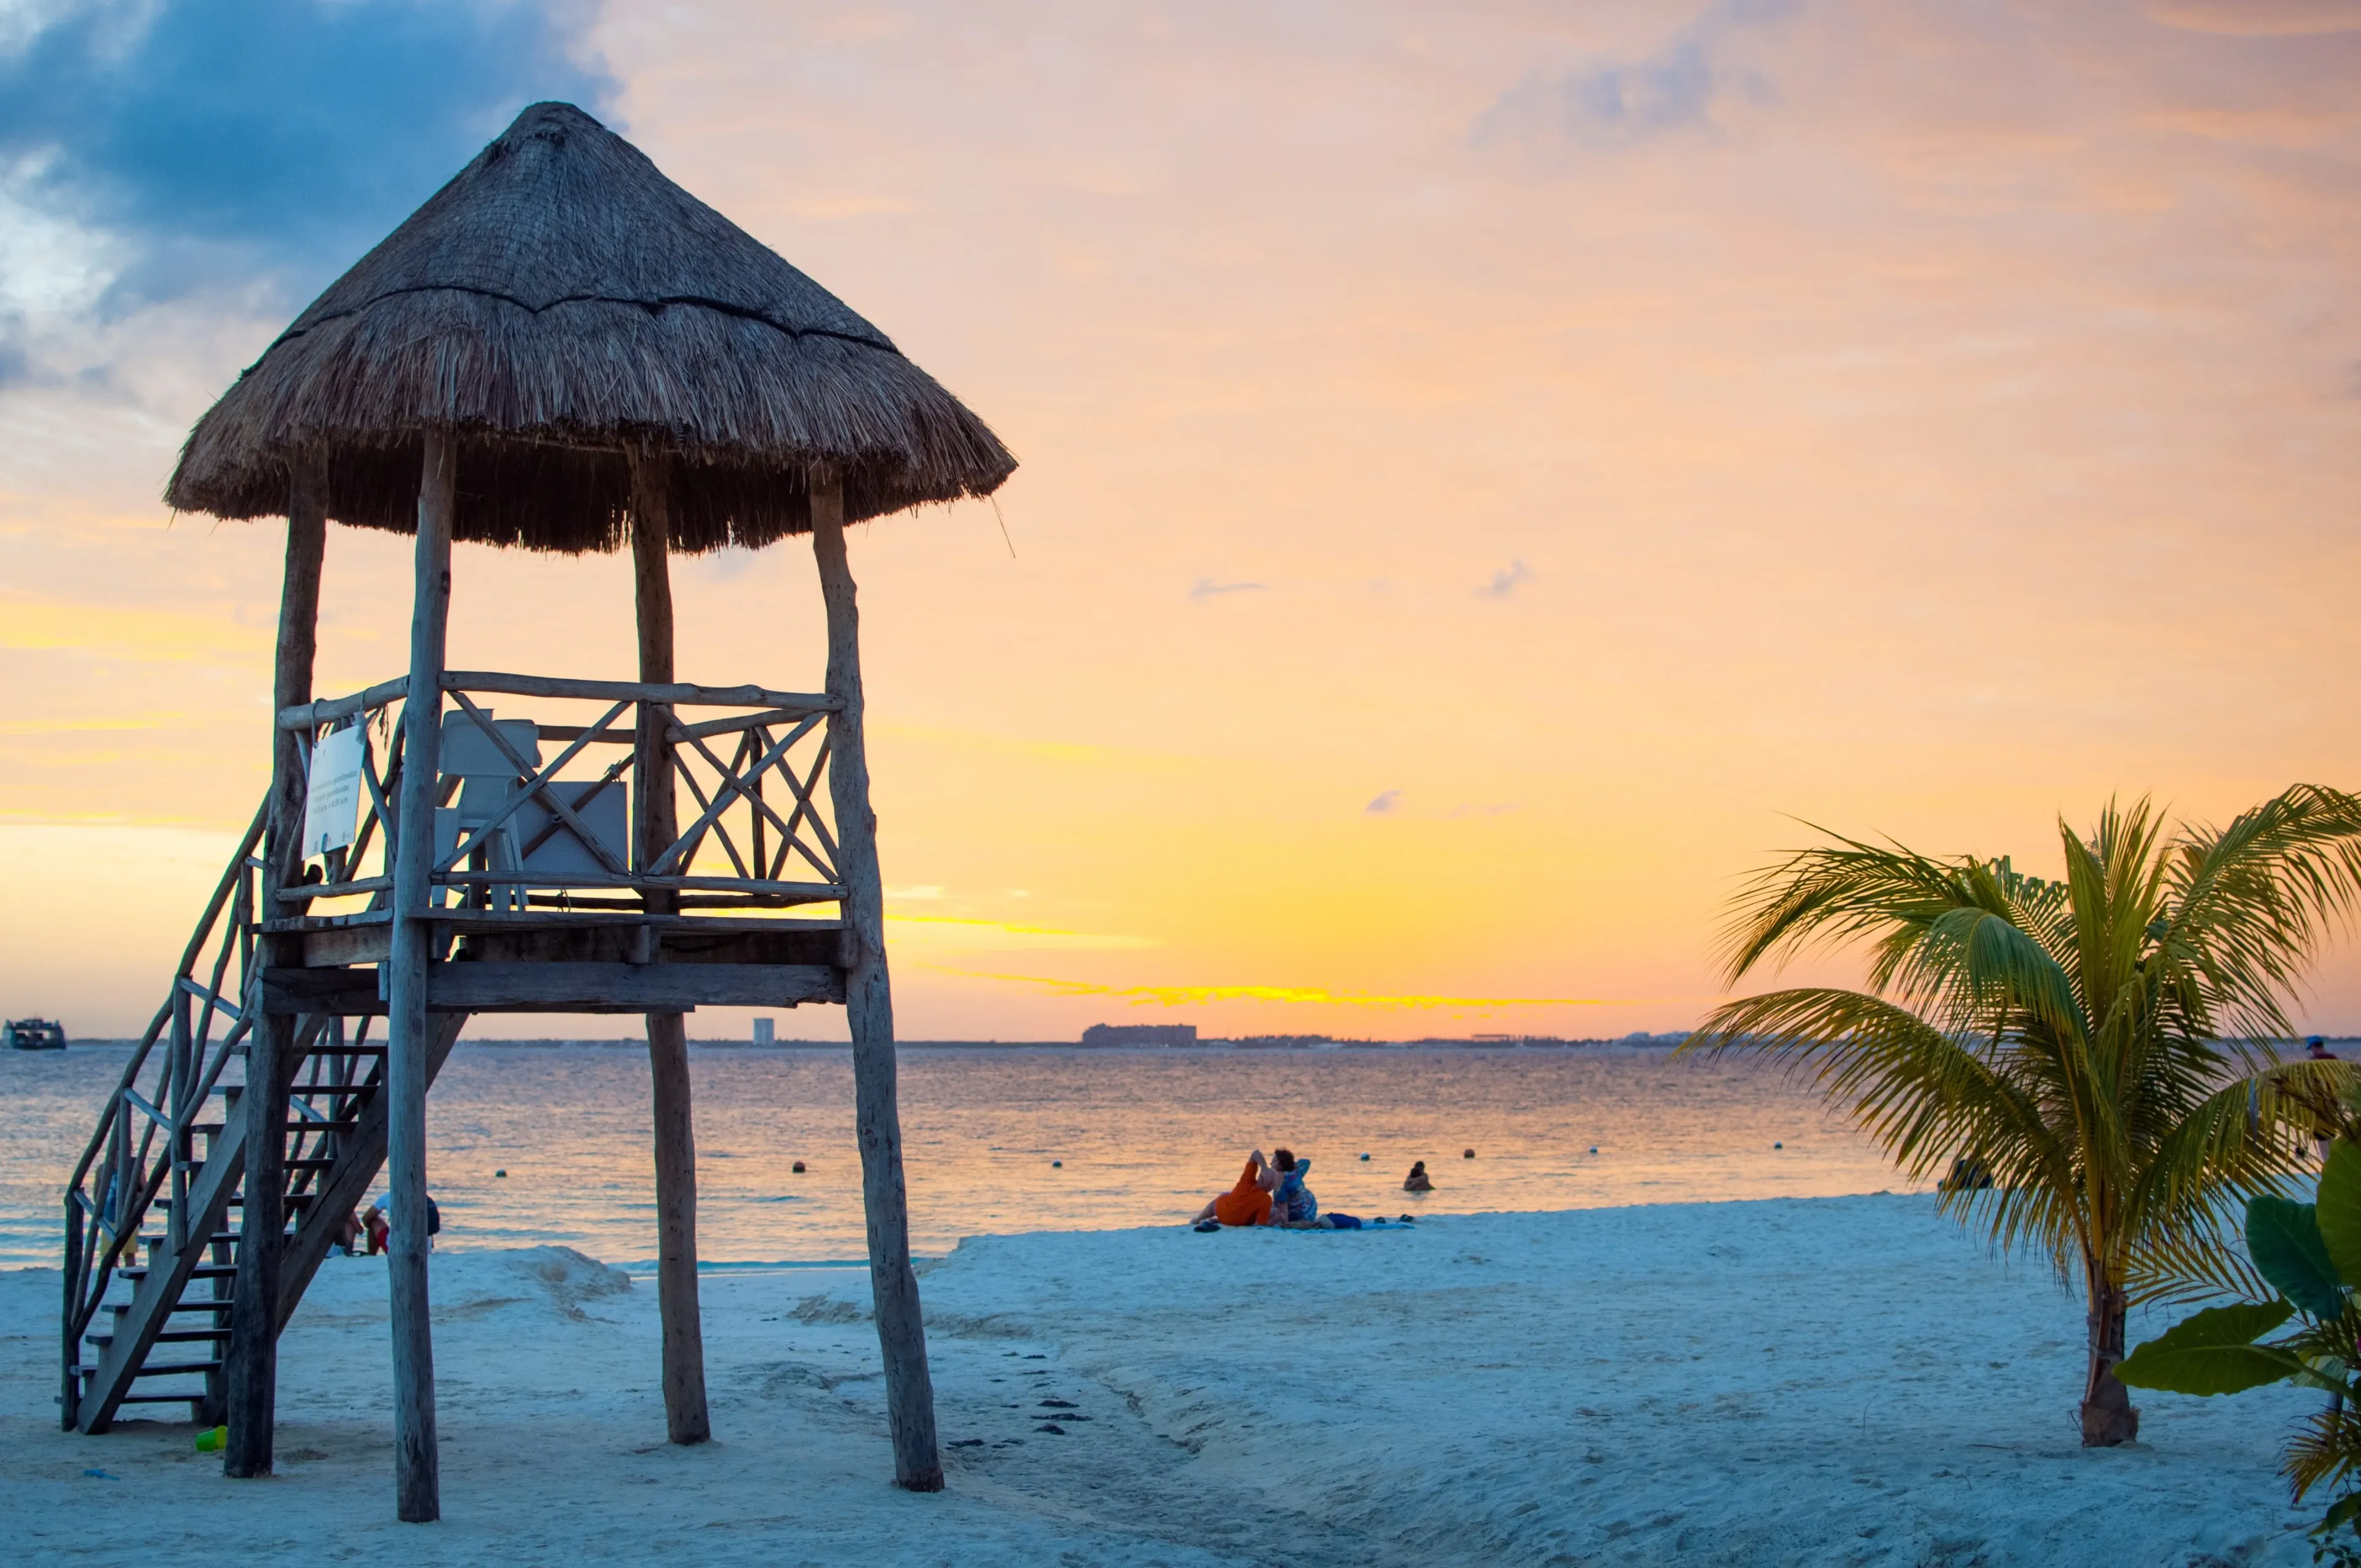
1293	1203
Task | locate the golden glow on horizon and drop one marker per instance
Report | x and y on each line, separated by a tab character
1311	995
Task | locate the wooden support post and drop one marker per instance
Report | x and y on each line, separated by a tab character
687	1419
869	1008
416	1468
252	1364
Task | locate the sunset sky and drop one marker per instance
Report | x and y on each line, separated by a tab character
1488	470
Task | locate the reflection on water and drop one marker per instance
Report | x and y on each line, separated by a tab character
1142	1137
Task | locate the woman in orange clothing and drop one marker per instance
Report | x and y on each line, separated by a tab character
1247	1204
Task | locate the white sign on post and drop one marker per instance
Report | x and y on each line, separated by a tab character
332	799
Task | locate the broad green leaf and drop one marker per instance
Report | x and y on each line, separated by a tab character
2345	1510
2242	1322
2340	1208
2284	1238
2209	1368
2181	1360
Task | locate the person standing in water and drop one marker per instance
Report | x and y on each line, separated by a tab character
2323	1133
1418	1180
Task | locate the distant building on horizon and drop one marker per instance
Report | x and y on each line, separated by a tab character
1140	1035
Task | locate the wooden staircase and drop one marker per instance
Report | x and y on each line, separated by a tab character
152	1209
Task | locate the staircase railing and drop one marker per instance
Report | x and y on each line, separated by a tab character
146	1140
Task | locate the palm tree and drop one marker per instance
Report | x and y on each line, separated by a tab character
2102	1045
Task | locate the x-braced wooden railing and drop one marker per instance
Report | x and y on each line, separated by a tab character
564	833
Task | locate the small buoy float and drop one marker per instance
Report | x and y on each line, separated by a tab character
1593	1149
799	1167
1467	1154
500	1176
1057	1165
1365	1156
1778	1146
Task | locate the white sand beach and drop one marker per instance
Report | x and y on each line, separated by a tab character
1792	1381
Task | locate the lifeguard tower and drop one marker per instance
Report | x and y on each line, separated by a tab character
561	351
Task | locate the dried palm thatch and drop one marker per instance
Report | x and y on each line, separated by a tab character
556	305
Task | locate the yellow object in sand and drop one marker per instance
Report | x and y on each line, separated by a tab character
212	1441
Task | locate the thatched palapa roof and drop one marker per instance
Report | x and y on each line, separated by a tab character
556	301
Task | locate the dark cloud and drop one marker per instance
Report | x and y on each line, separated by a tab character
222	135
1205	589
1620	103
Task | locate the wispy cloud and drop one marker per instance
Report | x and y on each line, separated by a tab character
1385	804
1609	104
1313	995
1506	580
2259	18
1205	588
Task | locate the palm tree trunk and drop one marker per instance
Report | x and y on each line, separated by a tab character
2108	1418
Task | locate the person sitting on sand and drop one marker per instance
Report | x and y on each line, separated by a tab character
1293	1203
1418	1180
1247	1204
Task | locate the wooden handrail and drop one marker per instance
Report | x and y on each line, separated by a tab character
189	955
676	694
794	705
309	715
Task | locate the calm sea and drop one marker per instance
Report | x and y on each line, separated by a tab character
1020	1139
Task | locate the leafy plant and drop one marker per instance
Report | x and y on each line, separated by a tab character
2101	1044
2311	1253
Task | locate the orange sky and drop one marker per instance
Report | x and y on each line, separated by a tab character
1479	473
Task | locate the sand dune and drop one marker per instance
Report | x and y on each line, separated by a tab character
1808	1381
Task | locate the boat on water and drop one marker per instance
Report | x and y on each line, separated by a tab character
33	1035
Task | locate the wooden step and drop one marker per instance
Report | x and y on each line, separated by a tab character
164	1399
177	1368
145	1240
202	1271
170	1336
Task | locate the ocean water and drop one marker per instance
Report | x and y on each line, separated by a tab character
1000	1140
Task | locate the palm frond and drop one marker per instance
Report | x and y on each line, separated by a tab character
2101	1042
